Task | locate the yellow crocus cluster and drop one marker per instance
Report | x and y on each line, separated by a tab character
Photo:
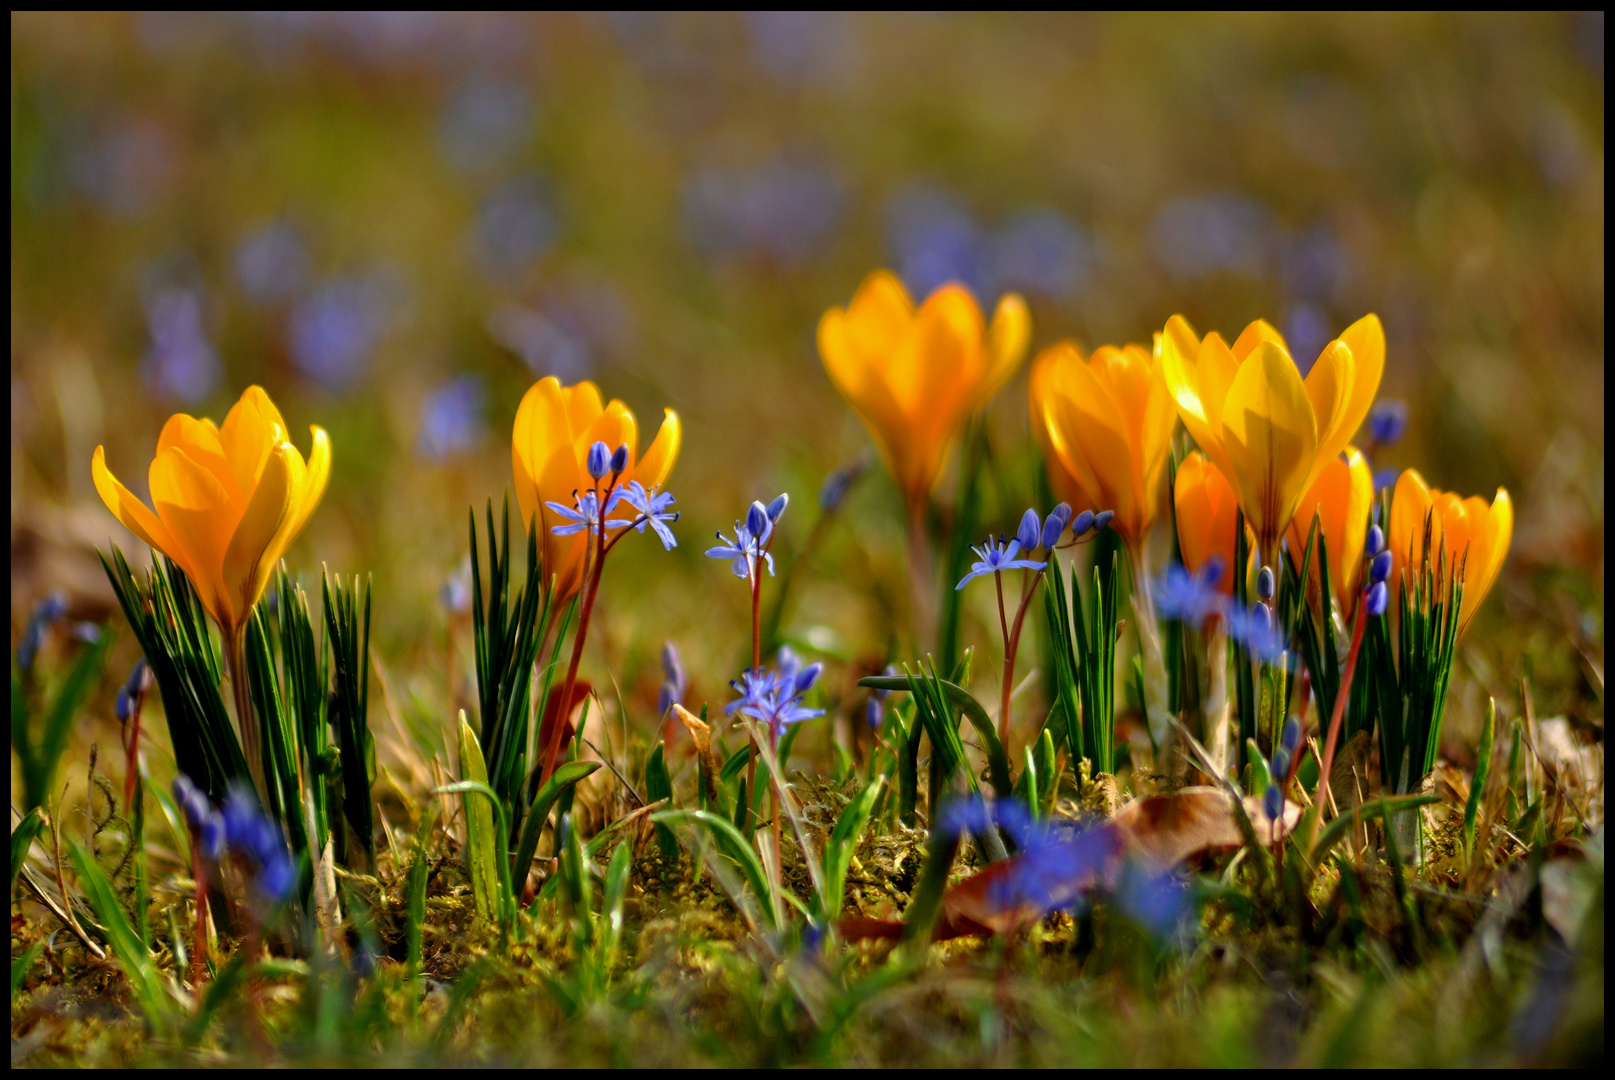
1268	430
228	501
915	375
555	426
1473	535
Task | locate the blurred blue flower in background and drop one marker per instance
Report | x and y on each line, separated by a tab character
1198	235
800	46
1306	329
451	419
569	333
335	328
515	224
485	122
1158	902
180	361
785	211
272	264
1317	265
1041	252
933	239
126	169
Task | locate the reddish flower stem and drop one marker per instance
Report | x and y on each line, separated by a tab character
199	938
1333	737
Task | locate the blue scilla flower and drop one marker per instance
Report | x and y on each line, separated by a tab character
1190	598
838	483
192	804
1379	598
673	680
1387	420
774	697
1374	543
1160	903
652	508
1380	568
1030	533
251	833
599	459
1273	798
1058	519
996	556
585	515
749	545
451	419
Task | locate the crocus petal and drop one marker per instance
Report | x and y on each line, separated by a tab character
1007	337
1329	387
1366	340
201	518
1270	438
251	555
134	514
202	444
652	469
1410	507
252	429
319	472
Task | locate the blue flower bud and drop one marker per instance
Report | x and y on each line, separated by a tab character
672	666
1030	532
756	519
836	486
1055	525
211	836
1281	764
1375	542
1081	526
1101	519
123	707
807	677
1387	420
619	459
87	632
777	507
599	460
1264	583
1380	568
137	676
667	699
1292	734
873	713
1262	617
1211	570
184	794
51	608
1379	597
1273	802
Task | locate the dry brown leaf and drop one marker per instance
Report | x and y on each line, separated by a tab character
701	735
1166	829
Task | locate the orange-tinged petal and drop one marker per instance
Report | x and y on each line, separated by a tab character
615	427
1328	387
880	311
1366	340
201	519
1259	332
251	552
652	469
1270	439
201	442
1207	516
1341	498
1487	550
862	383
134	514
583	405
312	489
1410	506
252	429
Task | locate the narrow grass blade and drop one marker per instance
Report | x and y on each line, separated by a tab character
147	982
564	777
733	847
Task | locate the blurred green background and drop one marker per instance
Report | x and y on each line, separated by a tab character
397	222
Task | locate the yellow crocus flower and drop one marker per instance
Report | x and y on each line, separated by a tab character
1341	497
228	499
1269	431
915	376
1107	423
555	426
1474	536
1207	514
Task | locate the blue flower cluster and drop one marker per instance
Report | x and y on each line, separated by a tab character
774	697
1194	599
752	538
1377	596
1034	534
1279	767
649	505
241	827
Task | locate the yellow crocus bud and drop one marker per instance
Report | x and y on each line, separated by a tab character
1341	497
1105	422
555	426
1207	515
1473	535
228	499
1268	430
915	376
